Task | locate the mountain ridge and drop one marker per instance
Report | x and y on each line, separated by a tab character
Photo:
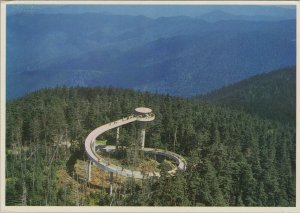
270	95
177	56
220	15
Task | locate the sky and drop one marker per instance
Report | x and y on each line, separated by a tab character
155	11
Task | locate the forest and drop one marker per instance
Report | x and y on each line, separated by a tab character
234	158
270	95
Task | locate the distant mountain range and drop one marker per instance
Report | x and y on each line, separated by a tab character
270	95
180	55
219	15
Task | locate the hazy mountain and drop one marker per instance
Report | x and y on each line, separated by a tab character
271	95
176	55
220	15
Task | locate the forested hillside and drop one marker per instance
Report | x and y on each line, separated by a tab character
234	158
271	95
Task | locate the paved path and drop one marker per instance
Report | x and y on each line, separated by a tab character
104	165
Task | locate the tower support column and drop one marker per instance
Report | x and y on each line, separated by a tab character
111	175
94	146
89	171
117	137
142	140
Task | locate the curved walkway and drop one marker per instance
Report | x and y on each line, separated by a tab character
105	165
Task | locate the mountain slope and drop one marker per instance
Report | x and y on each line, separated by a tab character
180	56
233	158
271	95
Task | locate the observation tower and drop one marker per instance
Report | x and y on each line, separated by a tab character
143	115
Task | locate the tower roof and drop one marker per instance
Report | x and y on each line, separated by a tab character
143	110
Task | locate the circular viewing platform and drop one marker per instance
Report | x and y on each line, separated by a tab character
144	114
143	110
